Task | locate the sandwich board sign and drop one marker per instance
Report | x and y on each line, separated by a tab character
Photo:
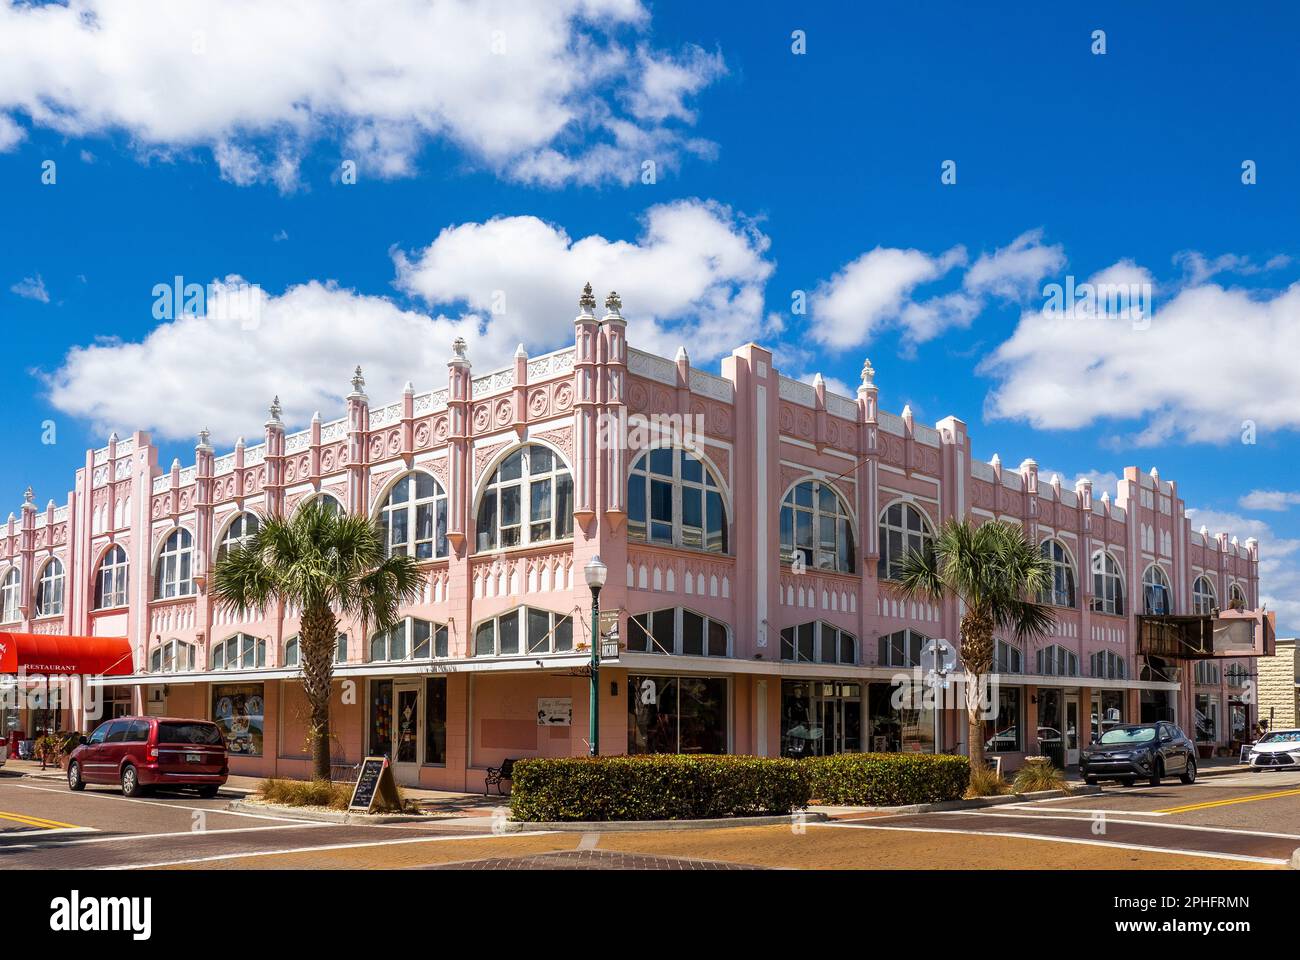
375	787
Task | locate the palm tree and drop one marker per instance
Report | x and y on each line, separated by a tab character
328	565
997	573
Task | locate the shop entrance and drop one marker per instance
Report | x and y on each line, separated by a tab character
396	727
820	717
1071	731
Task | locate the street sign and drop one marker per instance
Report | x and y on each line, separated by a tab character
609	650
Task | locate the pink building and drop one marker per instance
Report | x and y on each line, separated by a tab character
748	521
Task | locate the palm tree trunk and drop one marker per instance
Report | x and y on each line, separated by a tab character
318	637
977	656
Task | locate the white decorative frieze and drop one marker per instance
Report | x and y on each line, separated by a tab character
162	483
223	465
189	475
841	406
796	391
719	388
890	423
651	367
551	365
495	382
297	442
253	456
334	430
386	416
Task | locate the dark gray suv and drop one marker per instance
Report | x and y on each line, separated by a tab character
1139	751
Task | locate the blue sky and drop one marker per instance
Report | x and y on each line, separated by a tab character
499	156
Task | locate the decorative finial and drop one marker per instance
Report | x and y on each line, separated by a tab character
276	409
819	380
205	438
613	302
682	356
409	387
458	347
112	437
315	417
29	498
358	381
868	373
521	353
588	300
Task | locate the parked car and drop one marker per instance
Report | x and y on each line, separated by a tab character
144	752
1276	750
1133	751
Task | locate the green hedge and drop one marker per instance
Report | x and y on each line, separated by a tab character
886	779
657	787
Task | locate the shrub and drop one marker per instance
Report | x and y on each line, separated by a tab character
307	793
887	779
1039	774
986	782
655	787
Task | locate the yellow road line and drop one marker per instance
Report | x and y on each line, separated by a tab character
41	822
1223	803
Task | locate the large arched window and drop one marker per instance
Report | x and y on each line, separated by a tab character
1007	658
1061	591
326	501
291	650
414	518
815	526
1107	585
818	642
524	630
528	499
901	649
49	589
11	592
680	631
174	573
1054	660
409	639
672	498
1204	599
1236	597
1108	665
240	652
1157	597
903	528
172	657
111	581
239	532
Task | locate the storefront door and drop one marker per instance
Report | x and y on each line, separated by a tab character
1071	731
407	730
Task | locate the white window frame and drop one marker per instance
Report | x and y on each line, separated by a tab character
340	650
1108	665
230	539
1052	655
1004	650
791	550
408	626
639	642
1107	573
411	507
167	655
1151	583
1062	568
912	638
170	586
1204	600
1237	591
240	643
912	539
641	531
51	588
112	579
11	596
520	615
494	487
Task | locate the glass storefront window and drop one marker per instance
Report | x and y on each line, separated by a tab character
890	730
820	717
1005	732
1207	718
237	708
677	714
381	718
435	720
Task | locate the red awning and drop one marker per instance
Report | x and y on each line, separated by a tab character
49	653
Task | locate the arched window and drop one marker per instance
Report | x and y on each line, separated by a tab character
1108	665
901	649
111	582
326	501
1204	599
1107	585
903	528
239	532
1236	597
174	573
172	657
291	654
815	525
409	639
49	589
524	630
240	652
1156	595
1207	672
1061	592
672	498
818	642
11	592
414	518
1007	658
528	499
1055	661
680	631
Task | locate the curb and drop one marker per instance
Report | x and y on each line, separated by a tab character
627	826
977	802
1295	860
327	816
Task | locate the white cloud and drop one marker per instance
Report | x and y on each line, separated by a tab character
1279	563
1014	271
31	288
523	88
694	276
1269	500
1197	268
1210	360
1103	481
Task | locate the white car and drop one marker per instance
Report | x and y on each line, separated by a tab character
1276	750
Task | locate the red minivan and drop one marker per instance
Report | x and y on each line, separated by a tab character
144	752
